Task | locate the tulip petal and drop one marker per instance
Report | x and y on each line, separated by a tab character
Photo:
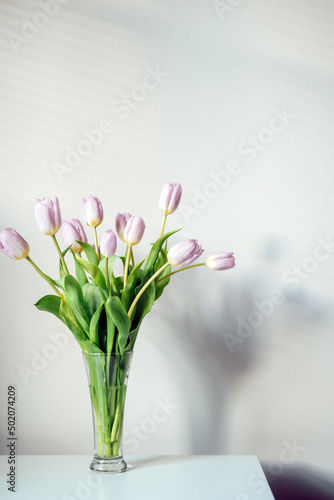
184	253
134	230
93	211
170	197
108	243
13	245
221	261
121	221
47	215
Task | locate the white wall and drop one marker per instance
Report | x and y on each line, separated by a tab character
224	77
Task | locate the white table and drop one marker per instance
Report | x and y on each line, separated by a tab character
198	477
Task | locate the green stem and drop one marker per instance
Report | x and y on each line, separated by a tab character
163	224
96	243
107	276
182	269
115	422
100	439
132	258
126	269
116	431
44	276
147	284
108	451
60	254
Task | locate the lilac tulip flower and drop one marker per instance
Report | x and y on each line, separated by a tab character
134	230
170	197
184	253
13	245
108	243
73	232
92	211
121	221
221	261
48	216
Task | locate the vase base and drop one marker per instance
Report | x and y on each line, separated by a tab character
109	465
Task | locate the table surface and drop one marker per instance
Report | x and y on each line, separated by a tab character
205	477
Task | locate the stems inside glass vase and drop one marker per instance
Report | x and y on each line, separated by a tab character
107	376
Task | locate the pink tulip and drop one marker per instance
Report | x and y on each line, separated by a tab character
48	216
134	230
72	232
121	221
92	211
108	243
221	261
13	245
79	227
170	197
184	253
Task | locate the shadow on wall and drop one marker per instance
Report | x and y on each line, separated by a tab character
207	370
221	333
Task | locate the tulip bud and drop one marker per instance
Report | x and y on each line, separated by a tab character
184	253
121	221
72	233
134	230
48	216
92	211
170	197
108	243
13	245
221	261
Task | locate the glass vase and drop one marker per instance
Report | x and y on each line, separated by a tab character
107	377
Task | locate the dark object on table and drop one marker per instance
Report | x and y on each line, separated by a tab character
300	482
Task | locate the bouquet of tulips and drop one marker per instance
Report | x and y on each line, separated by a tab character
104	311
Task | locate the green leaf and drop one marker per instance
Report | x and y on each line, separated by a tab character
113	282
132	337
92	298
143	307
128	294
144	304
118	314
155	250
59	283
95	272
94	326
51	304
120	282
75	299
87	346
62	273
115	288
111	261
79	271
90	252
162	284
70	320
161	261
